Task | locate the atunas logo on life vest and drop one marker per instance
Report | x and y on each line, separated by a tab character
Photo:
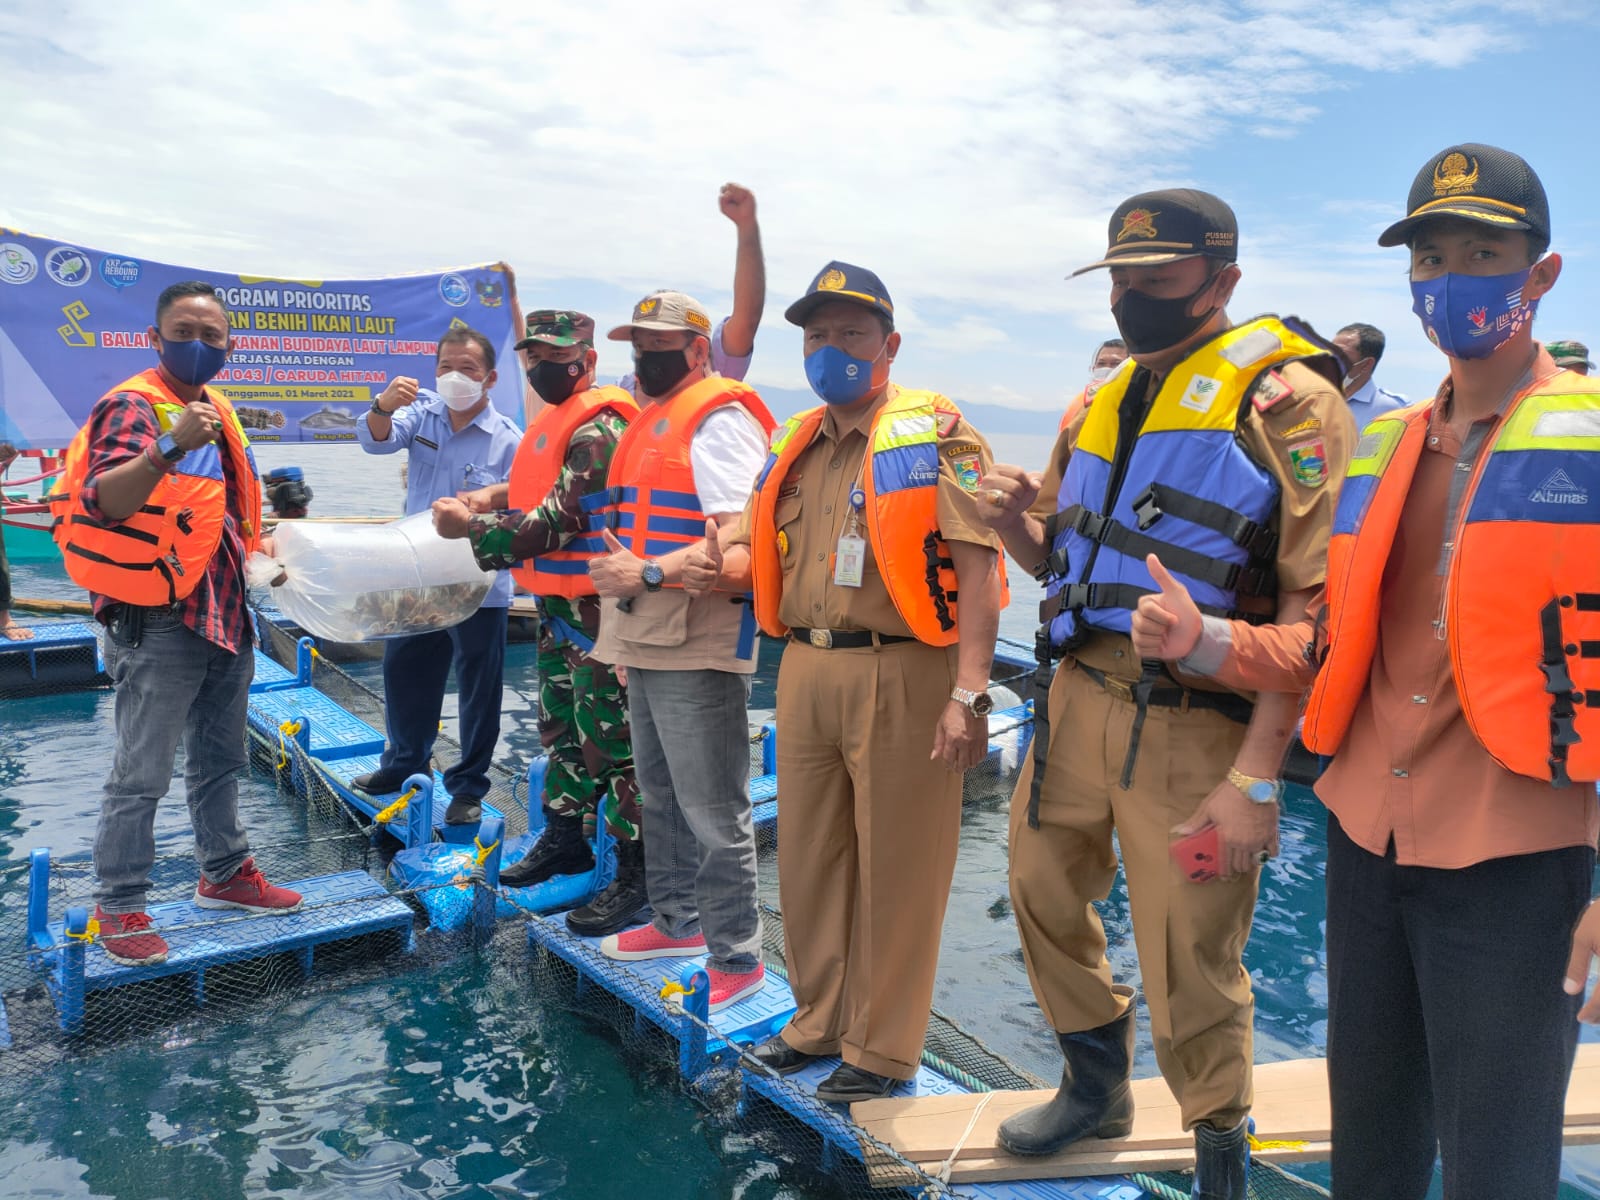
1559	488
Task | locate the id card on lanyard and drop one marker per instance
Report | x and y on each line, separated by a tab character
850	556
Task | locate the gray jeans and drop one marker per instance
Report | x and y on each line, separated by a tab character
691	756
174	685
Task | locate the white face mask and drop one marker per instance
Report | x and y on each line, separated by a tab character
460	391
1100	375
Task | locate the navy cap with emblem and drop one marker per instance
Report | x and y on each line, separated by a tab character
1164	226
1476	183
842	281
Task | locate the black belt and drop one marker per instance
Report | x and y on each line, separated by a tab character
855	639
1234	707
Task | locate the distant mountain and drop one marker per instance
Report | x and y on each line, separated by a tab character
986	418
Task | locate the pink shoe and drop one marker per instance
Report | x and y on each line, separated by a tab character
728	989
647	941
126	938
247	890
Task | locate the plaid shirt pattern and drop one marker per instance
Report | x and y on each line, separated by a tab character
120	427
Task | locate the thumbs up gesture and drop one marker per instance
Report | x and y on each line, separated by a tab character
1166	624
618	573
702	565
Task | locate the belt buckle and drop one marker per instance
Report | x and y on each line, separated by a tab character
1122	689
822	639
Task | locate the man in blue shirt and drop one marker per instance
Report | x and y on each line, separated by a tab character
457	441
1362	347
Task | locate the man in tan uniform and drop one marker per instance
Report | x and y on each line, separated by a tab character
1219	445
862	533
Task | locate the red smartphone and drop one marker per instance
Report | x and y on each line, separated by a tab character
1199	856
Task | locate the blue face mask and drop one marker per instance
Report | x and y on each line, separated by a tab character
1472	316
837	377
194	363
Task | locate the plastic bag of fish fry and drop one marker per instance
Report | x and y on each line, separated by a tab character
354	583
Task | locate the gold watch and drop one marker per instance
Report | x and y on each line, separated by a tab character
1255	789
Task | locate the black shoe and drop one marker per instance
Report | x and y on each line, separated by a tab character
1094	1097
463	812
781	1057
849	1084
559	850
382	781
1221	1162
619	905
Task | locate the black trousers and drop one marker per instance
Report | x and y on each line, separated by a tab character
5	574
1449	1033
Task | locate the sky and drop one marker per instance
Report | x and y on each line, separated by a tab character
969	153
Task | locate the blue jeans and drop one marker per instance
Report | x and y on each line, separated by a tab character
1448	1030
691	758
173	685
415	670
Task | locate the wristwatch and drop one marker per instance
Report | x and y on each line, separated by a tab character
378	408
167	446
979	704
1257	791
652	575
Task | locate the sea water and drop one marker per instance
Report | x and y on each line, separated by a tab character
452	1080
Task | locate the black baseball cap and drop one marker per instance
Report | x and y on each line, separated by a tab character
842	281
1477	183
1164	226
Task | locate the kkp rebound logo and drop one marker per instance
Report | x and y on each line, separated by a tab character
17	263
120	272
68	266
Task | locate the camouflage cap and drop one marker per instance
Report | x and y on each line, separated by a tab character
668	312
1569	354
558	327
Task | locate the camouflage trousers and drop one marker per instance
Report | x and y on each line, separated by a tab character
583	726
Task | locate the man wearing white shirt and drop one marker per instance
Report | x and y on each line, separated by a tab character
1362	347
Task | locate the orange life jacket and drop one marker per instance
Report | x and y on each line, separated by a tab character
1074	406
1522	581
160	553
540	456
901	482
650	503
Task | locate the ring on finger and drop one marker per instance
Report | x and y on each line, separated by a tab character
1264	857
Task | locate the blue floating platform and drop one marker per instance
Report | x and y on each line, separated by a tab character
334	908
343	768
61	656
271	675
327	731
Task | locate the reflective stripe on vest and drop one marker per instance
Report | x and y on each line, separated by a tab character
159	554
1522	591
540	457
1189	492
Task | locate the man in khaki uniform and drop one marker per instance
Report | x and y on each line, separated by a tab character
861	535
1222	446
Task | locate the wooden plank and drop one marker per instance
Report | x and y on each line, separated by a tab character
1291	1105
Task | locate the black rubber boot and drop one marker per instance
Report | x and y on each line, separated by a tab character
1094	1098
619	905
1221	1162
560	849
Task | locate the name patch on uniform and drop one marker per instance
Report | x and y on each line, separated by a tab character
791	488
1303	430
1269	390
1201	393
967	463
427	443
1310	462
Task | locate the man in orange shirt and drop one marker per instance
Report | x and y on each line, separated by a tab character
1455	674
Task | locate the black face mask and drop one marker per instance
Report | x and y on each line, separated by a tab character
659	371
555	381
1150	325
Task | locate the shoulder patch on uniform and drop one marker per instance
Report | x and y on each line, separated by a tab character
1303	430
947	422
955	448
967	463
1269	390
1309	459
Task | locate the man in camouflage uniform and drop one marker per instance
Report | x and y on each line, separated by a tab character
583	708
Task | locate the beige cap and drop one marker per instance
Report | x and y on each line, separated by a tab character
665	311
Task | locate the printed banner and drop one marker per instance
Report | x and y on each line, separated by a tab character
308	356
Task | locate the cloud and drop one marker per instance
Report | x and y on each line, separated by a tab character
969	153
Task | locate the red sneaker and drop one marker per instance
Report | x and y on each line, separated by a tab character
126	938
649	942
247	890
728	989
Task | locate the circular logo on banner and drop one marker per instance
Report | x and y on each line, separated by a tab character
68	266
17	263
120	272
453	290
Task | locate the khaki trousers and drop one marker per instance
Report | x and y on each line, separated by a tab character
1190	936
867	831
